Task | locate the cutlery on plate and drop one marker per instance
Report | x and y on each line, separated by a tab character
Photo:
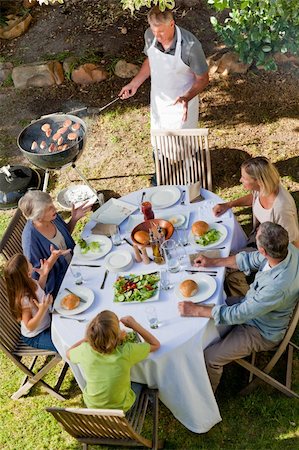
212	274
71	292
86	265
130	243
72	318
104	279
182	199
217	248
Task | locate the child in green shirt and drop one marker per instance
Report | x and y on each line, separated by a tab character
106	360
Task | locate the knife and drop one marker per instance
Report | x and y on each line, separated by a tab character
203	271
130	243
71	292
104	280
182	199
86	265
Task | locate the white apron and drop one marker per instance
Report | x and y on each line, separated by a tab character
170	78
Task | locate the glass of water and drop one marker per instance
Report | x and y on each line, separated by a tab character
152	317
165	281
116	238
76	275
171	255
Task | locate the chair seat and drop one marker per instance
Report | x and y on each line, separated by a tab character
23	349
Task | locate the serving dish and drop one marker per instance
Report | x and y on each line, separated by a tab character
145	226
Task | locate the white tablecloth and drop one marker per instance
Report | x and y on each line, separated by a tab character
177	369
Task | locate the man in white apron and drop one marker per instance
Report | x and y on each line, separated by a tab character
178	69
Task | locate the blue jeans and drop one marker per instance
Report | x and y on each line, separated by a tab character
43	341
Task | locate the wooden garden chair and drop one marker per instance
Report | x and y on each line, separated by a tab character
14	348
182	157
11	242
264	374
112	426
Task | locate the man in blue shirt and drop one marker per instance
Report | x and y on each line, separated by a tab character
261	318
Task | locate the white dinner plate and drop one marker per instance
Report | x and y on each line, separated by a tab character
177	220
76	195
206	287
163	196
114	211
105	247
118	260
217	226
84	292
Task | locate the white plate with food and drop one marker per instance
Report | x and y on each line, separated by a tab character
177	220
196	287
76	195
65	300
207	235
163	196
118	260
137	288
113	212
93	247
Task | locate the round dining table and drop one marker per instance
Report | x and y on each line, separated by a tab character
178	368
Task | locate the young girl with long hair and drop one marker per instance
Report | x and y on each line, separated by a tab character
106	359
28	302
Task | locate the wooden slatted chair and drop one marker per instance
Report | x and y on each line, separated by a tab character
264	374
11	242
13	347
182	156
111	426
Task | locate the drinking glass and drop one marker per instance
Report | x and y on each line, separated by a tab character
165	281
184	237
116	238
152	317
171	256
76	275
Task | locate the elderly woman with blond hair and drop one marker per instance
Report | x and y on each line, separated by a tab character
47	236
270	201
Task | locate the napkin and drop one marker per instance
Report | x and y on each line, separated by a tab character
106	229
209	253
194	193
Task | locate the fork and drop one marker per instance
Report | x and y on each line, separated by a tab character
73	318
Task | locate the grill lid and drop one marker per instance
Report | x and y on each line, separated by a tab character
14	183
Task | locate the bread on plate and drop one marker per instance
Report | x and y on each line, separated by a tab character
200	227
188	288
70	301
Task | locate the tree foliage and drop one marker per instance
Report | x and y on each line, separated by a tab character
256	29
128	4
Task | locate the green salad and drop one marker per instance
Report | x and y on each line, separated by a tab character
133	337
91	247
136	288
208	238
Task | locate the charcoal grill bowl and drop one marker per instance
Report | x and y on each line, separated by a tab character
55	160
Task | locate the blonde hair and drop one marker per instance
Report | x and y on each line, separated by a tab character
263	171
157	17
18	283
34	203
103	332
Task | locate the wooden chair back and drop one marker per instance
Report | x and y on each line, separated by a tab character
182	157
15	349
263	374
11	242
109	426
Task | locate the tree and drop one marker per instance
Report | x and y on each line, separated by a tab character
128	4
256	29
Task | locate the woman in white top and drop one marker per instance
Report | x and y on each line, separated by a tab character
270	201
28	302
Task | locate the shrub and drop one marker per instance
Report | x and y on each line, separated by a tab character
256	29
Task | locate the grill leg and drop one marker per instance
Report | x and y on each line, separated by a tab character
46	180
100	195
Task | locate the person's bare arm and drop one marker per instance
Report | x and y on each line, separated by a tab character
200	82
190	309
74	346
203	261
131	88
130	322
42	307
221	208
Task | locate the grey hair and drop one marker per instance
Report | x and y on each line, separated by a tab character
274	239
157	17
34	203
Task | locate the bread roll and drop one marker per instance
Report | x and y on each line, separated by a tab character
142	237
70	301
199	228
188	288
